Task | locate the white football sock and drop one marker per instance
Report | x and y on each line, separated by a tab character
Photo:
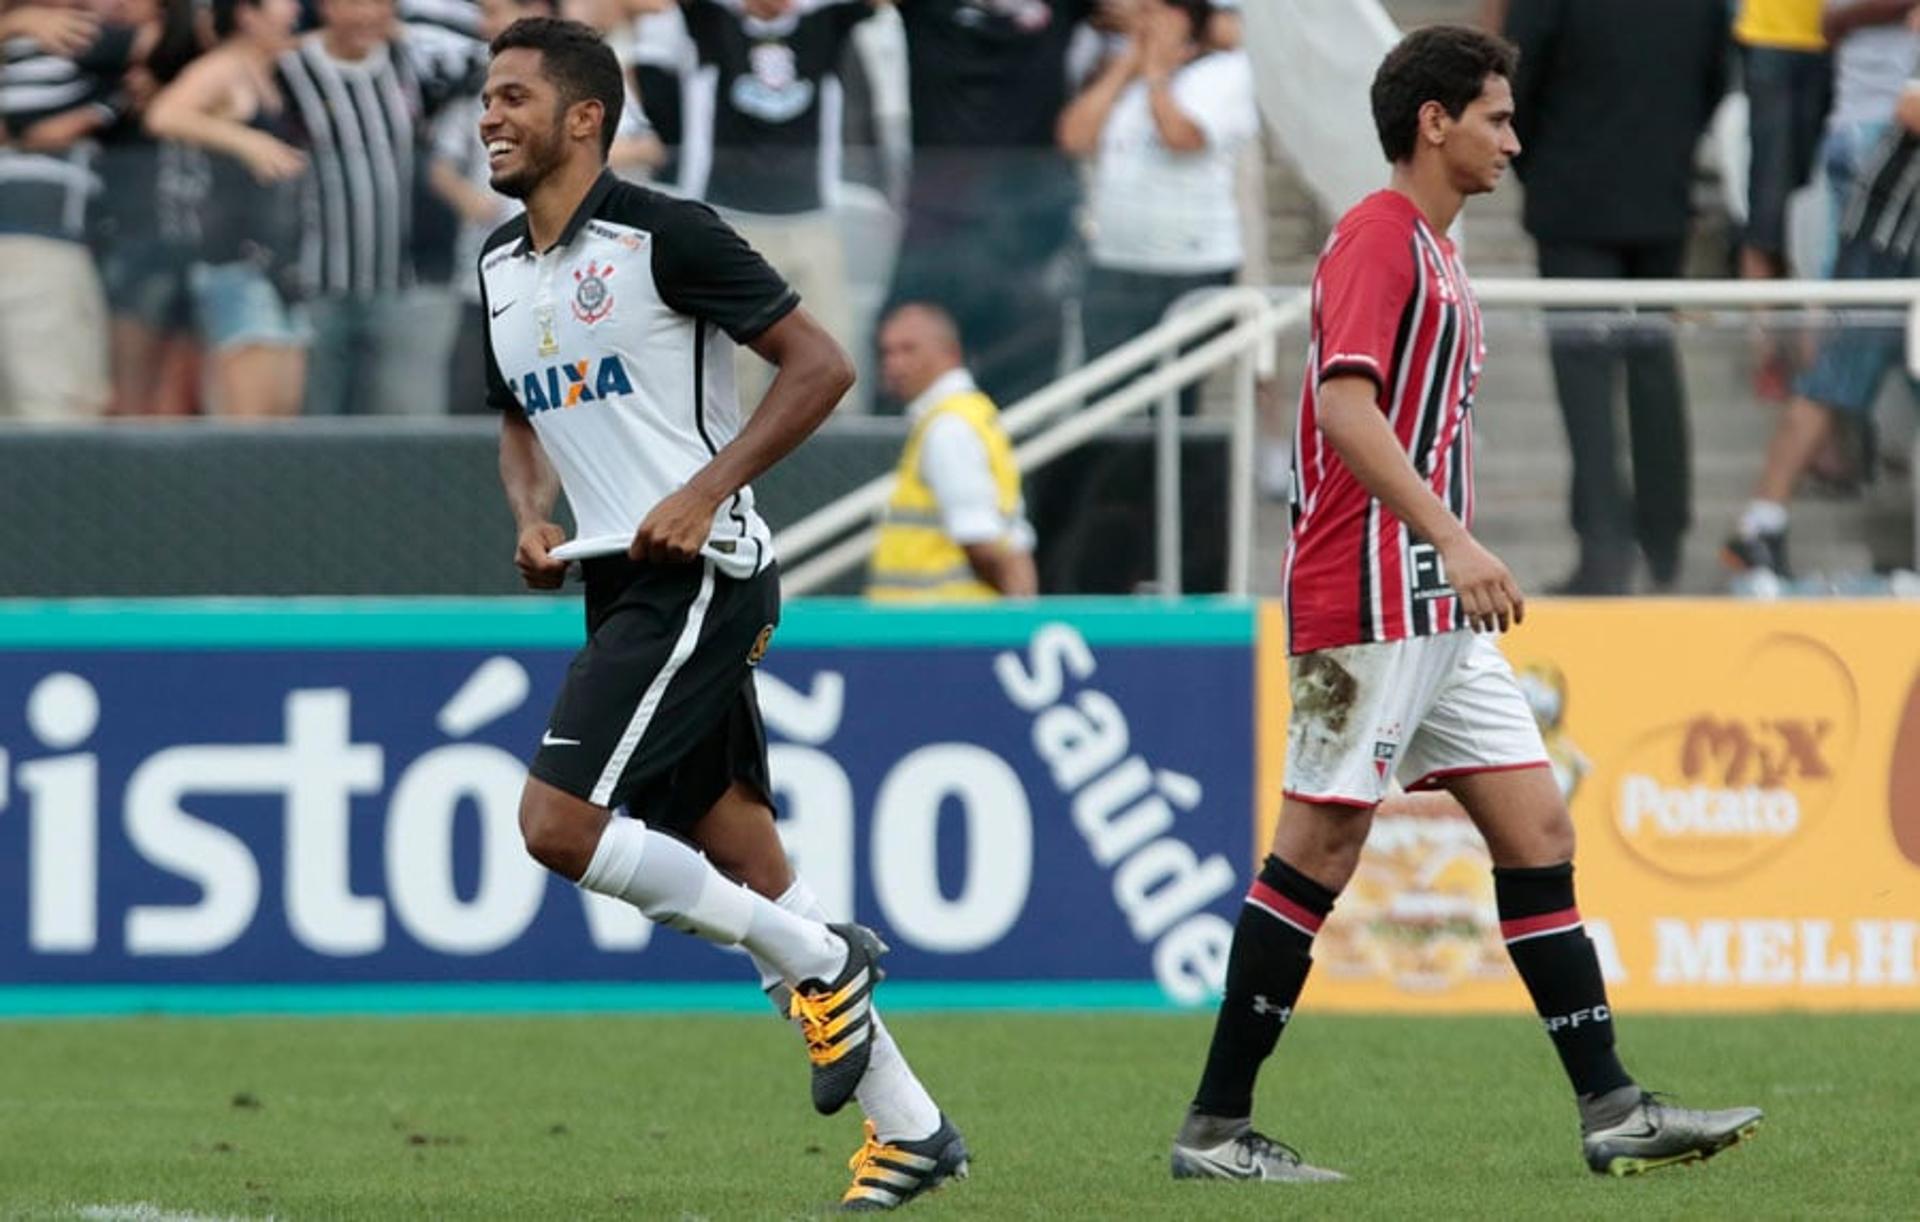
890	1095
1762	518
676	886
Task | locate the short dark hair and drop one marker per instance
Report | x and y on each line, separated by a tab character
578	62
226	16
1448	64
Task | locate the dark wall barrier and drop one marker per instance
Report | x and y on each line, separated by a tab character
381	506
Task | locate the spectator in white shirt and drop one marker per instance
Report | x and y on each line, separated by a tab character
1164	124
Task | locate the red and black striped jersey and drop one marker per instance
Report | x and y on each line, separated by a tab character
1391	303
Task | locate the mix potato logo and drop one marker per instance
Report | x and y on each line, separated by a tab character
1746	770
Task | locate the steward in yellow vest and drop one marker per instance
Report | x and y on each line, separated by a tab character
955	528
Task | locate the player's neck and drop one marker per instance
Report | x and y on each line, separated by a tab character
553	203
1426	185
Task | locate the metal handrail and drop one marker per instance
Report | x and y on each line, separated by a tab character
1629	293
818	548
855	508
810	555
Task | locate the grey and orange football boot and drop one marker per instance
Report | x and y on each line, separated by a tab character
836	1017
886	1175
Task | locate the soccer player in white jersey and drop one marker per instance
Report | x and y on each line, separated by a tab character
1388	595
613	312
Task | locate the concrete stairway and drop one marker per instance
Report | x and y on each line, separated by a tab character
1524	470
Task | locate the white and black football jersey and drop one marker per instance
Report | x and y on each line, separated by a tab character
618	344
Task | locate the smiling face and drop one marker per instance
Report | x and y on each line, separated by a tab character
1478	146
522	123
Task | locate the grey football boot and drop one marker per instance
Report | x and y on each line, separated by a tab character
1653	1133
836	1017
886	1175
1218	1148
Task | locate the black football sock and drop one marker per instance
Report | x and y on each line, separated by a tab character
1556	960
1266	968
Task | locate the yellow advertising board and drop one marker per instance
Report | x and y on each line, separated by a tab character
1745	782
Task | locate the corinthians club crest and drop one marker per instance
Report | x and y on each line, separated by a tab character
592	299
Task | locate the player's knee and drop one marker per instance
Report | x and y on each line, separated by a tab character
1557	840
1338	842
555	837
1548	843
768	877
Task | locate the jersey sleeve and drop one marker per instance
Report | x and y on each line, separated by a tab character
705	27
705	270
499	394
1365	281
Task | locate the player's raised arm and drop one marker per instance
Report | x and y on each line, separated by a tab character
1351	420
814	372
708	272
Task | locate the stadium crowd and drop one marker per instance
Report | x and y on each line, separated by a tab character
273	207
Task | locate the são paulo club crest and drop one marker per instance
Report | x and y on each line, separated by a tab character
592	299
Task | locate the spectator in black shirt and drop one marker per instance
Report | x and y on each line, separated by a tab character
145	225
990	203
762	141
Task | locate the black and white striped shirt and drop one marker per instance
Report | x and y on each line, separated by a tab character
365	127
461	17
46	194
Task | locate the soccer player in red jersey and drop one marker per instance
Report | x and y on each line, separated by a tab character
1391	605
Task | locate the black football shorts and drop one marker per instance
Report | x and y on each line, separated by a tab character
658	713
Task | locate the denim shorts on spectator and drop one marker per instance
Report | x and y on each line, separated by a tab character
237	305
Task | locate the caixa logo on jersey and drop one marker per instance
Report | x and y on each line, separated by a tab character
346	814
572	383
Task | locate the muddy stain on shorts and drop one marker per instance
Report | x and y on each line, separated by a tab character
1323	689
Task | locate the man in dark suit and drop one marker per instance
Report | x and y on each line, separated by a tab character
1611	100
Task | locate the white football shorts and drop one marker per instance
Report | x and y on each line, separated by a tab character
1420	709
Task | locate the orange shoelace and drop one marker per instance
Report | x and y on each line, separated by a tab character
814	1025
863	1158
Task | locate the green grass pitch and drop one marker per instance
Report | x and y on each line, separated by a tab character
1068	1116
